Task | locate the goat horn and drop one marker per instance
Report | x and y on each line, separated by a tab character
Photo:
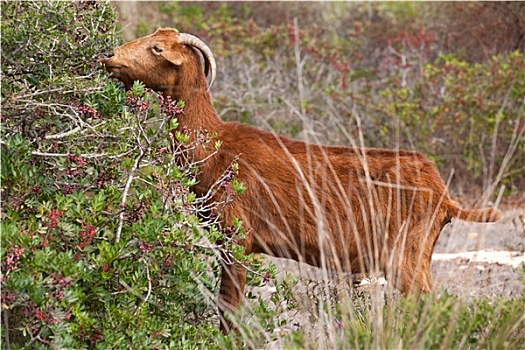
209	60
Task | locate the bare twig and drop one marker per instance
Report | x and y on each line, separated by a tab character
149	281
129	181
83	155
148	294
37	337
41	92
493	151
136	166
299	65
63	134
517	135
5	314
135	293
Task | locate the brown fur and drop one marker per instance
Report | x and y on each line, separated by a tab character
350	209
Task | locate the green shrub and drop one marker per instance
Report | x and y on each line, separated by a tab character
468	117
106	253
378	319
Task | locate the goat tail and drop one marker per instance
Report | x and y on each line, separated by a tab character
474	215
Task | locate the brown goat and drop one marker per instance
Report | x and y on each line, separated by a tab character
350	209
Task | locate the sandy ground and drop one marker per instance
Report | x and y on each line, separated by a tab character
482	259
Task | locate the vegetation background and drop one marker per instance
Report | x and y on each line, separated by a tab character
102	245
444	79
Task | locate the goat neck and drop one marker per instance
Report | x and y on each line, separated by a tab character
199	113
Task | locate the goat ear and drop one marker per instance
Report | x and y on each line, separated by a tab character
173	56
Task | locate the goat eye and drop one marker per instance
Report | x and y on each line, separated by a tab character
156	49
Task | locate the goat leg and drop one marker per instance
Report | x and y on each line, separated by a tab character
231	293
411	261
